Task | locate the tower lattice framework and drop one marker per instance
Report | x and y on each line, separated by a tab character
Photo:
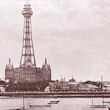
27	56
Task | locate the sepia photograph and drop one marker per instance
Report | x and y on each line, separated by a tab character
54	55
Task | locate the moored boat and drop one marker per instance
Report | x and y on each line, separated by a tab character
55	101
98	106
105	101
40	106
108	107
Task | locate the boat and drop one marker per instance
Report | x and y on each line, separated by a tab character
40	106
106	102
108	107
23	108
98	106
15	109
54	101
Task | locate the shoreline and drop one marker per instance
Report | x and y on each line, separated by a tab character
57	94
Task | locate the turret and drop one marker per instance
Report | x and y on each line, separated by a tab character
9	65
46	70
46	65
45	61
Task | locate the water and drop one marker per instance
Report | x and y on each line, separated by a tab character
64	104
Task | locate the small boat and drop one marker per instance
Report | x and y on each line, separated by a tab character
18	109
23	108
14	109
55	101
52	103
40	106
108	107
105	101
98	106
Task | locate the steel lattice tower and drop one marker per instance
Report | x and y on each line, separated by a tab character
27	56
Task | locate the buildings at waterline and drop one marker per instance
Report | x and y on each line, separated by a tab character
28	72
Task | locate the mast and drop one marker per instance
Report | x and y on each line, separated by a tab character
23	102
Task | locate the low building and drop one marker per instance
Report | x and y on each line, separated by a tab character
87	87
2	88
47	89
28	74
106	87
63	86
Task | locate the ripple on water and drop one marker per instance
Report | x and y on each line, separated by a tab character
64	104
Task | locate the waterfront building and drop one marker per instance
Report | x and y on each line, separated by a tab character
106	86
2	88
72	80
72	85
60	86
27	72
88	87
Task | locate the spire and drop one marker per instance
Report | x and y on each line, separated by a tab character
9	61
9	66
72	77
45	61
101	78
61	78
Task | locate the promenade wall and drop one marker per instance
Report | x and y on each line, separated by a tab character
57	94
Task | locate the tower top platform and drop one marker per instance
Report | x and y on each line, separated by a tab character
27	2
27	11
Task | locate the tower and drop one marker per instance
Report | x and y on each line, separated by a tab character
27	56
28	73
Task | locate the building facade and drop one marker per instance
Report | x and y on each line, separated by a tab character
27	72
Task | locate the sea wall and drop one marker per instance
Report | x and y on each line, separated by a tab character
56	94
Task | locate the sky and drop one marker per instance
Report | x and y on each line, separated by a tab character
74	36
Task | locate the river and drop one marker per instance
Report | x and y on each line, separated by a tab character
64	104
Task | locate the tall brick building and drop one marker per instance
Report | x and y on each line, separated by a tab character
27	72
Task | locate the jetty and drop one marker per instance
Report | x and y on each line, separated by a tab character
80	94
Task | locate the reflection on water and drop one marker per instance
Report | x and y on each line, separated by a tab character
64	104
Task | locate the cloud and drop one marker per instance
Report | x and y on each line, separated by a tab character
72	34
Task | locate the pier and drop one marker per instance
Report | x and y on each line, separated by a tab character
86	94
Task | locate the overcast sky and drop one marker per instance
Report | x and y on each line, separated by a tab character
74	35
